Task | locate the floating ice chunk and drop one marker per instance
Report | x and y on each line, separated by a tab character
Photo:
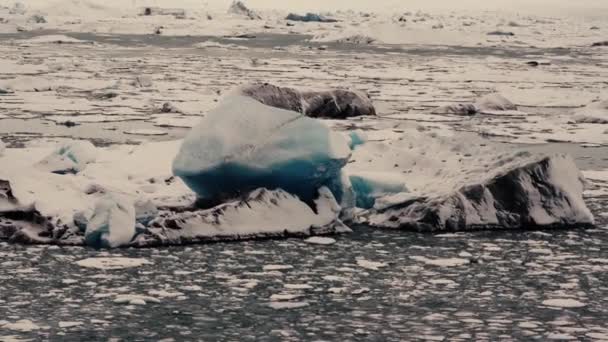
371	265
112	224
244	145
277	267
277	297
595	113
370	185
287	305
23	325
318	240
112	263
68	324
71	157
564	303
55	39
447	262
494	103
135	299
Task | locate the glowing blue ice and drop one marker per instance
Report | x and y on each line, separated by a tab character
243	145
368	186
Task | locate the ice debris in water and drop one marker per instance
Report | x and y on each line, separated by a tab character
71	157
112	263
564	303
319	240
113	222
243	145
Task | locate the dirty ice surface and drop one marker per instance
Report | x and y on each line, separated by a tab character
109	78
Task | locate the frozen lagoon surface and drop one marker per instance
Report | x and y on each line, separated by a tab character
370	285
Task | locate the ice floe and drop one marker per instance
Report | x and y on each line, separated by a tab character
564	303
112	263
319	240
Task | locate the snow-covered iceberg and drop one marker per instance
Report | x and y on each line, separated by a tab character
464	183
334	104
545	193
129	197
243	145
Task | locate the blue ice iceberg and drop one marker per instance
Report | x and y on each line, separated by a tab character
244	145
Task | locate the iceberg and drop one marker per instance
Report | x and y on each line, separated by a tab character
333	104
112	223
244	145
72	157
462	182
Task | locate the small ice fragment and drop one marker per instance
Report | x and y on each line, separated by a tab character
298	286
448	262
277	267
23	325
317	240
287	305
114	263
135	300
284	297
371	265
69	324
564	303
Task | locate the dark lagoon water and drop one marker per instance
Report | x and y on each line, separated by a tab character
370	285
